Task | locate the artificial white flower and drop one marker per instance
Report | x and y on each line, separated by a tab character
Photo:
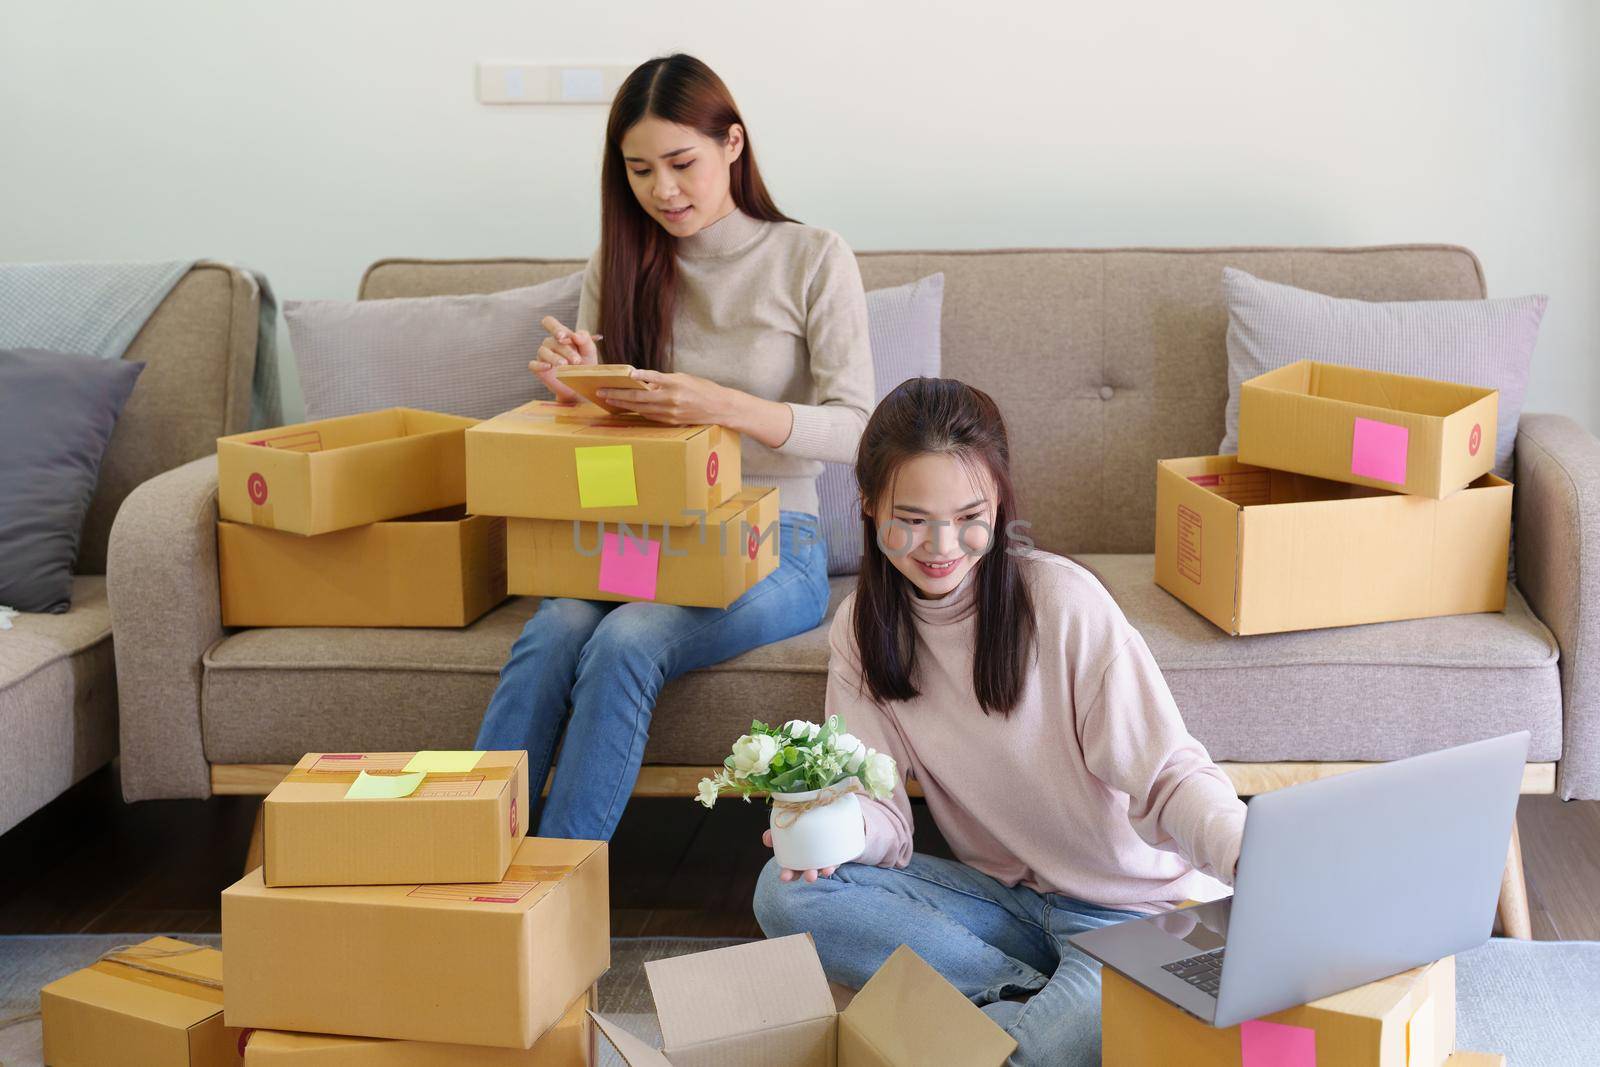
878	775
753	754
849	746
801	730
708	791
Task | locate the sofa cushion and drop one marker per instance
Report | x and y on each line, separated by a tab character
58	700
465	355
1376	692
1356	693
57	411
271	695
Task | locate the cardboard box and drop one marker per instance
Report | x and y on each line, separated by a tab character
458	823
1262	551
552	461
1391	431
472	964
768	1002
1408	1020
442	568
705	565
317	477
159	1002
569	1043
1475	1059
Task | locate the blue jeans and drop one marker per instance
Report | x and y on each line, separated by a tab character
608	661
987	940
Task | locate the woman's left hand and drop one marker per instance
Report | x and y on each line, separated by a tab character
675	399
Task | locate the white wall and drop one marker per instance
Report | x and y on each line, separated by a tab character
310	138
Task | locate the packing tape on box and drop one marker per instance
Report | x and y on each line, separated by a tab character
490	774
145	969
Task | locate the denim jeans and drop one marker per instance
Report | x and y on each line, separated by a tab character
987	940
607	662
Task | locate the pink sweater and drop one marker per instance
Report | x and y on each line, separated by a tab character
1091	787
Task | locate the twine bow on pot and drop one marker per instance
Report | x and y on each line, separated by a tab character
786	812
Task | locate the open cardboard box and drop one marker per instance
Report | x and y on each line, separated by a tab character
1263	551
442	568
469	963
332	474
1406	1020
455	826
569	1043
152	1009
545	460
1391	431
768	1002
706	565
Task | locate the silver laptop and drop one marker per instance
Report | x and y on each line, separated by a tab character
1340	882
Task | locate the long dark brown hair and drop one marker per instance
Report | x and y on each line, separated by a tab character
638	271
943	416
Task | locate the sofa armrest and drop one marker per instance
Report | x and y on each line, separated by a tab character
1557	505
161	578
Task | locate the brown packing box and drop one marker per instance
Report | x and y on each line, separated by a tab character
317	477
442	568
147	1010
1263	551
1408	1020
1475	1059
569	1043
525	463
1392	431
455	827
768	1002
472	964
705	565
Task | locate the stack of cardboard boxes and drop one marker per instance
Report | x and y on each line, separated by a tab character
402	917
354	521
609	506
1356	497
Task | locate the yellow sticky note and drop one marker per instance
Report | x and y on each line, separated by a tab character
444	762
383	786
605	476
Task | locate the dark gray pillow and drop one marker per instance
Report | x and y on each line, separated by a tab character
57	412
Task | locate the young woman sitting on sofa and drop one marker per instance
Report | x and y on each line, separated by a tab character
738	316
1049	749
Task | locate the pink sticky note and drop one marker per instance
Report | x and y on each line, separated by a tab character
1264	1044
628	568
1378	450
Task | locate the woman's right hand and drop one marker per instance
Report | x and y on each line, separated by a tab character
786	875
561	348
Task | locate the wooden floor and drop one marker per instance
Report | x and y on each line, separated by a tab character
88	863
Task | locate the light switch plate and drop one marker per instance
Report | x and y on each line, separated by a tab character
511	82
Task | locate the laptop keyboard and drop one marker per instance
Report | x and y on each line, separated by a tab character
1204	971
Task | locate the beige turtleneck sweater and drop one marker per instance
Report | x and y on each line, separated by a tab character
1091	787
777	310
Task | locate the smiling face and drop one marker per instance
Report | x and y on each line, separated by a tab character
678	174
936	521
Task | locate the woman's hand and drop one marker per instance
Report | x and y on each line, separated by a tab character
562	347
676	399
786	875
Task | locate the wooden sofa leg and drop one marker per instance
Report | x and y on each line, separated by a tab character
255	855
1514	918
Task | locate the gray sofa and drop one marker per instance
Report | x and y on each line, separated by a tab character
1103	361
58	685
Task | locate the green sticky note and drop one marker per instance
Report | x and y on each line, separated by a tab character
383	786
605	476
444	762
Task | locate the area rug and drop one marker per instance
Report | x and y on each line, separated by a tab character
1535	1001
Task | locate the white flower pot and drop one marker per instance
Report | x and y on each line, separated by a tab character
823	836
